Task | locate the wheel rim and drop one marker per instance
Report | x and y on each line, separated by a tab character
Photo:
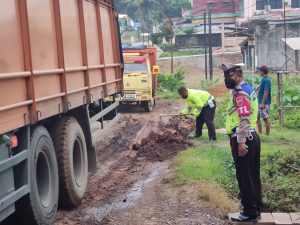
78	162
43	178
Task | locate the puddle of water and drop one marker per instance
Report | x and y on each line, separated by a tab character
130	198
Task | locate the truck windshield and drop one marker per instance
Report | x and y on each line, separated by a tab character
135	67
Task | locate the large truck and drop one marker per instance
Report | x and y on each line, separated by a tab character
58	60
140	76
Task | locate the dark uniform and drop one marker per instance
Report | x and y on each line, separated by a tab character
240	126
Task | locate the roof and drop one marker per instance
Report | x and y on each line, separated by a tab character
294	43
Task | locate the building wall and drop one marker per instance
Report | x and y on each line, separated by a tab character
217	6
197	40
195	65
248	7
270	48
216	21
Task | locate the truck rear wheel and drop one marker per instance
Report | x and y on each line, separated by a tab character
71	151
148	106
40	205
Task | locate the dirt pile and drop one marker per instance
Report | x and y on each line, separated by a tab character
167	140
120	140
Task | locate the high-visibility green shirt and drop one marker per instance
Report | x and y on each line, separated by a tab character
243	114
196	100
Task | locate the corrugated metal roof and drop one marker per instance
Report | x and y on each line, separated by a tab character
294	43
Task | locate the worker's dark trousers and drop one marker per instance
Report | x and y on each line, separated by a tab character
206	116
248	174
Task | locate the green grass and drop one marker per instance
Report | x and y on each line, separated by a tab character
212	161
201	163
181	53
166	94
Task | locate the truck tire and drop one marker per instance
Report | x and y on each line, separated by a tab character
71	151
148	106
40	205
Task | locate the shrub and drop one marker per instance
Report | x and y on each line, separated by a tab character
156	38
223	107
189	30
171	82
280	175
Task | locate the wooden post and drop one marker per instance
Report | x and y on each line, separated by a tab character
297	60
280	99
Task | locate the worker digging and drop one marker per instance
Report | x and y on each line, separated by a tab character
202	105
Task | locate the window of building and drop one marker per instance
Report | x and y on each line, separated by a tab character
260	4
274	4
226	4
211	5
295	4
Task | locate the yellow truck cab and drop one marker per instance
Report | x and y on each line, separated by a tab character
139	77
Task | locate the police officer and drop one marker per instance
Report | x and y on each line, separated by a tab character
202	105
244	142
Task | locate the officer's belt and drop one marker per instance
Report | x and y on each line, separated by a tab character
234	134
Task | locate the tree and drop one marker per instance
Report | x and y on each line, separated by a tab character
167	30
150	12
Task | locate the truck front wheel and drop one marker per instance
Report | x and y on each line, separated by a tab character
71	151
148	106
40	205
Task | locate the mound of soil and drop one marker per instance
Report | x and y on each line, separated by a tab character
167	140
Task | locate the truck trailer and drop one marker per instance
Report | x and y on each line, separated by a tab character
58	60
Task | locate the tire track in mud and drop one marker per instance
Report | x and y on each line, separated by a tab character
123	160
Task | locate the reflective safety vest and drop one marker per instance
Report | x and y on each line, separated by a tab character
196	100
233	119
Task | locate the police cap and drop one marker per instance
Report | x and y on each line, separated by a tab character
229	68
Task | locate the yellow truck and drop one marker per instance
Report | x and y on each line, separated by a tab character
140	76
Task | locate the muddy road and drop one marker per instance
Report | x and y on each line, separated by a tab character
132	184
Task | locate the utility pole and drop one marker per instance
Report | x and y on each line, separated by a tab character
210	47
285	45
172	58
205	45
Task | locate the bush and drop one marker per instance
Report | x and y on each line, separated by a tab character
166	47
169	83
223	107
156	38
189	30
280	174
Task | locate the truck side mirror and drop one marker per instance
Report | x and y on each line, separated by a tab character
155	70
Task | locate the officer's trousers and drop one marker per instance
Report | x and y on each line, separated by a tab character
206	116
248	174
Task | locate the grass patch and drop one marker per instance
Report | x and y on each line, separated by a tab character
181	53
280	163
166	94
217	196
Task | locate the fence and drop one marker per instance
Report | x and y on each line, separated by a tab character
281	106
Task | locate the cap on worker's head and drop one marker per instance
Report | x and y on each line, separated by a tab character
229	68
264	69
